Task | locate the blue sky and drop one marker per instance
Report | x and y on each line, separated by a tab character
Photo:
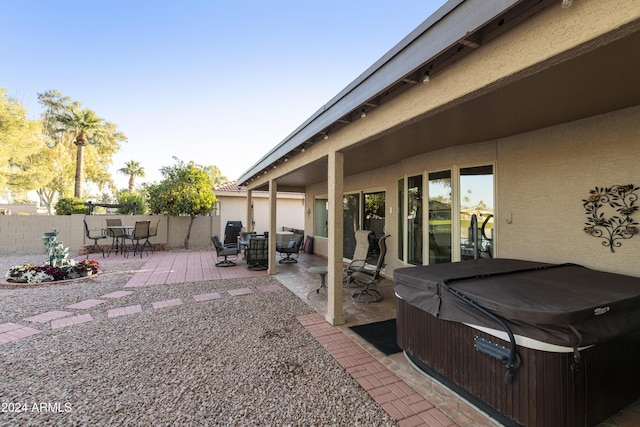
216	82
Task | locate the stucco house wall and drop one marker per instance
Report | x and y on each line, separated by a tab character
541	178
233	207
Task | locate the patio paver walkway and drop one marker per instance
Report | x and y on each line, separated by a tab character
49	316
123	311
12	332
397	398
183	267
70	321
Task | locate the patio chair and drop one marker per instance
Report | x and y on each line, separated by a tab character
153	231
359	258
224	252
257	253
369	278
140	232
116	234
95	237
289	252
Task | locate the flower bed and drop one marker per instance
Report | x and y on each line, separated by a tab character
30	273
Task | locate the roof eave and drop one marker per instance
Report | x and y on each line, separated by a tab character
446	27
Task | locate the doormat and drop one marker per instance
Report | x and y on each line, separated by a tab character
381	335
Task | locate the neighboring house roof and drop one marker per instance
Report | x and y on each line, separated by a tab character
233	187
230	186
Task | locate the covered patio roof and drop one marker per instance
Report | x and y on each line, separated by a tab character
592	79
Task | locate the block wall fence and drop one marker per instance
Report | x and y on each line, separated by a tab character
23	233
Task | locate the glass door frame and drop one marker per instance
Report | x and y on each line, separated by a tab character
456	232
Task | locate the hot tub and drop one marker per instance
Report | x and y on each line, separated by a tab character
530	343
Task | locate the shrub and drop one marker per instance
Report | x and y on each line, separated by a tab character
126	197
71	205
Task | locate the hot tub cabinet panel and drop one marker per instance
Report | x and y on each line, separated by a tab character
544	390
550	387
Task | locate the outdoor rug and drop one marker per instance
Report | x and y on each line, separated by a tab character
381	335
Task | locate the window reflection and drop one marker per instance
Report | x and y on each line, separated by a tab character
351	208
321	217
440	217
414	220
476	207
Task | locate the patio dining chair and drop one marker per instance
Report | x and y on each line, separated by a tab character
116	234
140	232
95	237
153	231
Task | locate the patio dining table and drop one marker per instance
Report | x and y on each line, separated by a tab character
119	238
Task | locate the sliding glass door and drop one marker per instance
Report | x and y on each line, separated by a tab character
460	217
476	212
440	217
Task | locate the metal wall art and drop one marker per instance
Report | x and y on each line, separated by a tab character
609	211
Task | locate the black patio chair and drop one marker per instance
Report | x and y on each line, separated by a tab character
257	253
95	237
140	232
116	234
224	252
153	231
289	252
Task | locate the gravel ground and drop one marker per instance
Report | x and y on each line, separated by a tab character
235	361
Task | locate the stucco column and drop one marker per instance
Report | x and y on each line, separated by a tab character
273	195
250	224
335	171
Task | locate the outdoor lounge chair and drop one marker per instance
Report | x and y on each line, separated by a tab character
289	252
370	277
359	258
257	253
95	237
224	252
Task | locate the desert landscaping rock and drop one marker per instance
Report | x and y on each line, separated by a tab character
233	361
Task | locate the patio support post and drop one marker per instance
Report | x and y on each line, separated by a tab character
335	179
250	224
273	197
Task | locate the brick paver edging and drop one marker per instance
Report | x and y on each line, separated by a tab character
395	396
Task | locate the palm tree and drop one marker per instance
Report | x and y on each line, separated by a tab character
133	169
87	128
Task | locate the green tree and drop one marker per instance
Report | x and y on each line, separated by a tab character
133	169
86	126
20	138
63	121
185	190
216	176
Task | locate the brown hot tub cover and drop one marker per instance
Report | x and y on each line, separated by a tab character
564	304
